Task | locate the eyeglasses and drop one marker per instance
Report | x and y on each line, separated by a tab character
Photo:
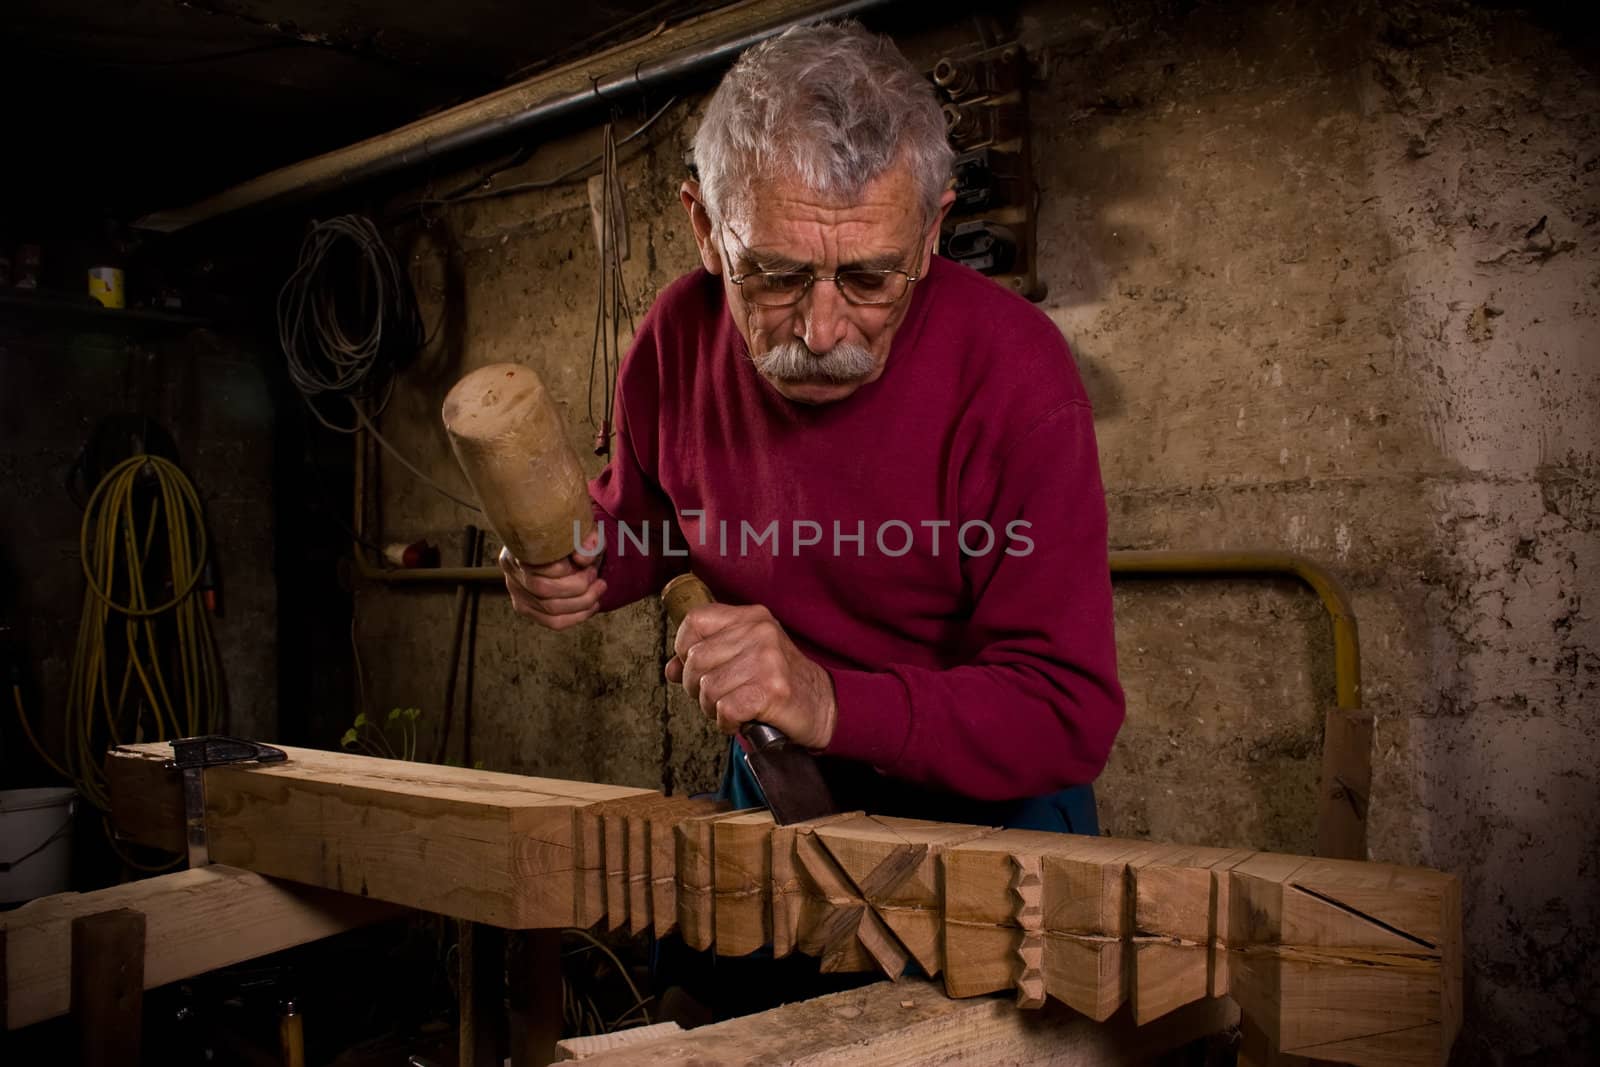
858	285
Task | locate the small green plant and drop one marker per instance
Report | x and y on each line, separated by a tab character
396	738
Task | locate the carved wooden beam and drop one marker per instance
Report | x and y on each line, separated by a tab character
1331	959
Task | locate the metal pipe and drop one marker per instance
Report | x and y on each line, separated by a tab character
1346	645
717	38
426	575
1346	778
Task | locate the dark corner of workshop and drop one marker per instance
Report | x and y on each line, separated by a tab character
799	532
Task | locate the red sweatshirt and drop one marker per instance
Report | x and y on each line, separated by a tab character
936	540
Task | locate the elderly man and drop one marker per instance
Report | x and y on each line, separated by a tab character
883	464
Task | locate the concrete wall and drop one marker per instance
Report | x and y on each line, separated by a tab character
1332	279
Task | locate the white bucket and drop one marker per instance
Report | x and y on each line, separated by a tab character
35	842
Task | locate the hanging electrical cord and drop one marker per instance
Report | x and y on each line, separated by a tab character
347	320
611	298
143	545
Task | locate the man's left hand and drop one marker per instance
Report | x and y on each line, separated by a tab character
741	666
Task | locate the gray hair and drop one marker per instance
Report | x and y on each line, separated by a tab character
828	104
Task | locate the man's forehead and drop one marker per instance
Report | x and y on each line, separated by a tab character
793	231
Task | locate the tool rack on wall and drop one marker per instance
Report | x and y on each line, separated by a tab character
990	228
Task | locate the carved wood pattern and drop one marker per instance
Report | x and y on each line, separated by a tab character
1328	959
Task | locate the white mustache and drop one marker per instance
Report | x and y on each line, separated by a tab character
794	362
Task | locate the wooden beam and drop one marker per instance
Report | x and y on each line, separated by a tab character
1381	942
146	798
1331	959
912	1023
477	845
196	921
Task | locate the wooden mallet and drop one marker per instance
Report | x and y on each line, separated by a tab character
512	446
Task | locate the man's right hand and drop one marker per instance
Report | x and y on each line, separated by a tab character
559	594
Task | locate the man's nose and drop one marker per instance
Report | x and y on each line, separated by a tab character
824	316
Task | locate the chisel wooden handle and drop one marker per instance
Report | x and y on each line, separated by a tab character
787	775
682	595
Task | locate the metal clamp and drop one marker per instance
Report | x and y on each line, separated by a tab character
192	755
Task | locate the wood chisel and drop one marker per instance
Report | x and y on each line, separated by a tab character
787	773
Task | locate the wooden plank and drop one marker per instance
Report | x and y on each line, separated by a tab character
196	921
476	845
911	1024
582	1048
108	987
743	882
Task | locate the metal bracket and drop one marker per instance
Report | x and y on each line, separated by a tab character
192	755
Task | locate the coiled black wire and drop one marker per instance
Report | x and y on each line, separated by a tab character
347	321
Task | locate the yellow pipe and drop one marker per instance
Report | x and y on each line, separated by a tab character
424	575
1346	643
1346	646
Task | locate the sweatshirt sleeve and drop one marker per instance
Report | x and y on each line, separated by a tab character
628	492
1036	704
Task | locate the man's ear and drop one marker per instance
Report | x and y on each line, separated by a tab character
932	235
700	219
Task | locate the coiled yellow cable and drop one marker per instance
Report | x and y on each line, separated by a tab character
181	688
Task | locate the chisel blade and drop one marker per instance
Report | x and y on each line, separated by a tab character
791	781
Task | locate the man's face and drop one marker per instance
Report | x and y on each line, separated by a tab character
823	348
